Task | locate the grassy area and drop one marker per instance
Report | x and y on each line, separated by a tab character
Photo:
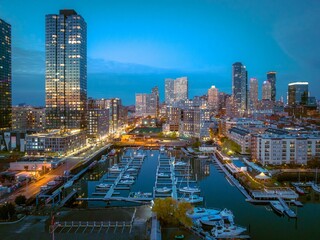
229	147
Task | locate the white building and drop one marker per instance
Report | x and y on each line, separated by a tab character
285	149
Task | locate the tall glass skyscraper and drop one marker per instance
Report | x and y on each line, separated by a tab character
298	93
240	86
271	77
5	76
176	90
66	70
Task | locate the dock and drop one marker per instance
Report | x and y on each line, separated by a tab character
287	210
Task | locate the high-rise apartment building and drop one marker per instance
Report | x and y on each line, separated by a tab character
298	93
176	90
181	89
5	76
271	77
66	70
213	98
253	93
266	90
148	104
240	86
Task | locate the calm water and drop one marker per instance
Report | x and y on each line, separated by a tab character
261	220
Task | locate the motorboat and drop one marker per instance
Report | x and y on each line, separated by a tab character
211	220
128	181
189	189
203	156
162	149
299	190
180	163
163	175
315	188
198	212
127	176
132	170
115	168
277	207
163	190
227	231
103	186
193	198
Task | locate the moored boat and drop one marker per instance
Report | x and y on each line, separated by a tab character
277	207
227	231
198	212
128	181
163	190
190	189
103	186
163	175
315	188
193	198
115	168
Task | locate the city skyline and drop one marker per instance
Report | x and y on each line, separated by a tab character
130	50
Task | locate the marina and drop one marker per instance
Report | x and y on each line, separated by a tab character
143	192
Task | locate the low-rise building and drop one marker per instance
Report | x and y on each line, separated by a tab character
285	148
55	141
242	137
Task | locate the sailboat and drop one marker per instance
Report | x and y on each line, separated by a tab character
314	186
189	189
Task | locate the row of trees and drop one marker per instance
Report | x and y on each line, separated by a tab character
8	210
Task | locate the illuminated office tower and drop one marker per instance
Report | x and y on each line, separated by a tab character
266	90
176	90
66	70
5	76
240	86
298	93
271	77
213	99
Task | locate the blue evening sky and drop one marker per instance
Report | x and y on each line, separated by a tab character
134	45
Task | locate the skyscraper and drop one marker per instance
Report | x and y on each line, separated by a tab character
240	86
176	90
5	76
271	77
169	91
213	99
298	93
253	93
66	70
181	89
266	90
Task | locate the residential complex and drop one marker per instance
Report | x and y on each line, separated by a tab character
66	70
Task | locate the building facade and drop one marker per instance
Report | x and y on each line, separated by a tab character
5	76
240	87
298	93
66	70
213	98
176	90
253	93
28	118
271	77
285	149
266	90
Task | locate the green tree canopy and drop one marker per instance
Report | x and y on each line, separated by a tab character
21	199
171	212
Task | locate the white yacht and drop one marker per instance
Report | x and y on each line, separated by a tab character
103	186
315	188
198	212
226	231
115	168
180	163
189	189
128	181
163	190
127	176
277	206
163	175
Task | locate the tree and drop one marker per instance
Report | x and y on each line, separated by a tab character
21	199
7	211
170	211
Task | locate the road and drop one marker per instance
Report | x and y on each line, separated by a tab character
31	189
